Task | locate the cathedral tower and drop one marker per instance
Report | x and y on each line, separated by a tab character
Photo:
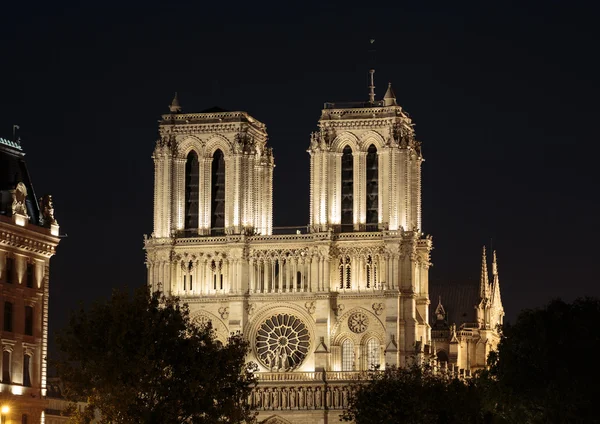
319	307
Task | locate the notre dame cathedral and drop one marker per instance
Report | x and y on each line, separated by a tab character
346	293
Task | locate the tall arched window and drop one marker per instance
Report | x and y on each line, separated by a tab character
372	189
345	272
347	190
347	355
217	206
372	354
192	190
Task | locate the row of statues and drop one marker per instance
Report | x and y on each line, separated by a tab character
276	398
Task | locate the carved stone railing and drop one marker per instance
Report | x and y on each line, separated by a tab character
300	397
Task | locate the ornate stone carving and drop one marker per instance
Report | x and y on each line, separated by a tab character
250	308
358	322
378	308
19	194
224	312
339	309
282	342
310	307
47	209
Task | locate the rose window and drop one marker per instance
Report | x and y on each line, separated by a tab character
358	322
282	342
202	321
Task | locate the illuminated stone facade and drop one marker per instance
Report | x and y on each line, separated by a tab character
319	303
28	239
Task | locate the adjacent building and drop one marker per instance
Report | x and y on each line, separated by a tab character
28	239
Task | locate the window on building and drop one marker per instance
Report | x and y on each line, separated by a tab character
372	354
347	190
371	273
26	370
298	280
6	367
372	189
192	190
217	211
347	355
345	272
184	280
28	321
8	316
24	419
29	280
10	270
191	281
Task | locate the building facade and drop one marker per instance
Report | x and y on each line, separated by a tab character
28	239
319	304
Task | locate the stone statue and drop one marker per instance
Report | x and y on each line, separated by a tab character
301	398
284	398
309	398
345	397
19	194
257	399
336	398
328	397
292	398
275	401
318	398
47	209
267	398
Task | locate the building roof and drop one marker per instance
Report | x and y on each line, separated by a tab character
458	299
13	170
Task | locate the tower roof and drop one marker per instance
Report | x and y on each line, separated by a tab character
175	107
390	97
13	170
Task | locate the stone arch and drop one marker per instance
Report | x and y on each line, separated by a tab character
275	419
371	137
341	325
371	335
217	142
251	328
219	327
189	143
345	139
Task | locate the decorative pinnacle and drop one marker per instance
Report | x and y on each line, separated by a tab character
174	107
390	98
372	87
483	287
494	264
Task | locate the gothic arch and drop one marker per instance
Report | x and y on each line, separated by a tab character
189	143
340	328
371	137
345	139
371	335
219	327
275	419
217	142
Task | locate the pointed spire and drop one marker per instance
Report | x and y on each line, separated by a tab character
495	281
485	282
440	312
494	264
174	107
372	87
390	98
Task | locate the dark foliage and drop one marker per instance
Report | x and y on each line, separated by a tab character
414	395
139	359
544	371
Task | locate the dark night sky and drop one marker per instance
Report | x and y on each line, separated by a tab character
505	100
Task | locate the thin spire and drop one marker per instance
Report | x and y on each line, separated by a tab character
484	284
174	107
494	265
390	98
372	87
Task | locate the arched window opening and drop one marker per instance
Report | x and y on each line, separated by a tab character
24	419
372	354
371	273
345	272
28	320
217	212
442	356
347	190
192	190
298	280
347	355
276	276
372	189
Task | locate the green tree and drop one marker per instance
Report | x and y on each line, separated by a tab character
414	395
140	359
544	370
